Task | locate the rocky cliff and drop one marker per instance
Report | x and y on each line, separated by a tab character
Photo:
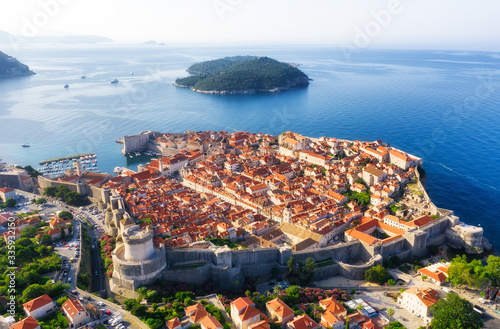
11	67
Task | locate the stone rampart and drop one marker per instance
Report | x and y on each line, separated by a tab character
357	272
348	252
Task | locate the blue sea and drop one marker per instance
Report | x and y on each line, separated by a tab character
443	106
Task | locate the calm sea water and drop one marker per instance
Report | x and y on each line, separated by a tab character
441	106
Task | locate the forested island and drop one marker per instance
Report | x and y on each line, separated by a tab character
11	67
242	75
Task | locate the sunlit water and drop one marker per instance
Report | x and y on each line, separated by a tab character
441	106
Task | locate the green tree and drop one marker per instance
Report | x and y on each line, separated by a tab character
455	312
41	201
492	270
291	264
66	215
10	203
395	325
377	274
391	282
154	323
45	240
29	232
62	191
32	291
61	301
50	191
43	251
472	274
390	313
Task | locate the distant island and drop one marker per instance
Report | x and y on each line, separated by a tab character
242	75
8	39
153	43
11	67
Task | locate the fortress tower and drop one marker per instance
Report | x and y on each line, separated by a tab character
287	214
137	261
138	244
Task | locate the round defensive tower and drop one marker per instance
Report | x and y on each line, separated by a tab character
137	262
138	244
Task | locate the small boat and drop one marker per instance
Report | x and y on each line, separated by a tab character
114	80
83	77
66	86
131	73
25	143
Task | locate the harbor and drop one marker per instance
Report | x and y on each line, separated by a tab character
57	166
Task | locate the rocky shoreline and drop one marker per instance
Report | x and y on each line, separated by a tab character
11	67
298	82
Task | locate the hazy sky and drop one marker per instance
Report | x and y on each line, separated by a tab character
445	24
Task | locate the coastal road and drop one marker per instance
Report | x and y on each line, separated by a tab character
97	274
129	320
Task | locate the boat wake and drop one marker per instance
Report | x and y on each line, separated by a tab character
465	176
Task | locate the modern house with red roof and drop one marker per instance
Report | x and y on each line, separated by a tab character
7	193
303	322
75	312
26	323
210	322
244	313
279	311
174	323
419	301
40	307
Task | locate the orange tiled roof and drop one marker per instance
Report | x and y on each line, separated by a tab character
428	296
439	276
210	322
248	313
278	307
27	323
332	305
173	323
37	303
242	302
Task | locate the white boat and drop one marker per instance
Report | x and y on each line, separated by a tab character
25	143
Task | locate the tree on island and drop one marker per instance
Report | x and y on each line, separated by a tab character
242	73
455	312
